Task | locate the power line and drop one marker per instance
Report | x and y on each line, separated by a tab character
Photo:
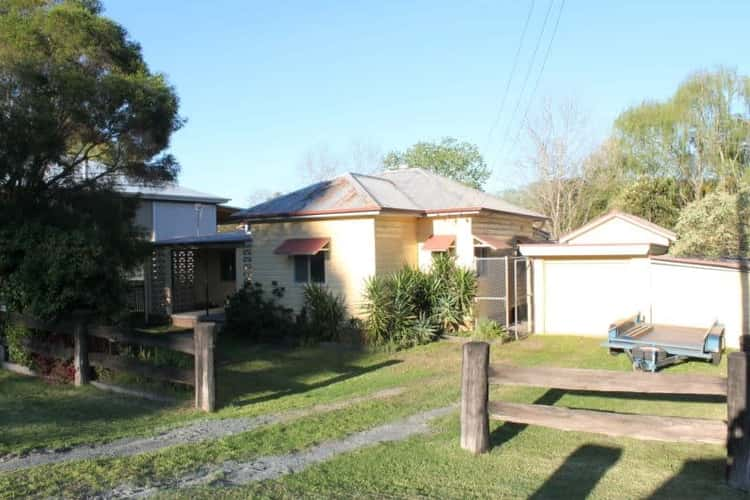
528	72
539	76
511	74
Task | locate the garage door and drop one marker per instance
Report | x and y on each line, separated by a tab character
585	296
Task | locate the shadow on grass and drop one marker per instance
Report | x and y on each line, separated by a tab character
580	473
509	430
678	398
692	480
33	408
280	372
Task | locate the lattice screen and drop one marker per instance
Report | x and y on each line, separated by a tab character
247	262
159	275
183	279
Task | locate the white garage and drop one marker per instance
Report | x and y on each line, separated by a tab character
594	275
615	267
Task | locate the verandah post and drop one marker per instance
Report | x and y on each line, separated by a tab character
738	421
80	347
475	427
203	338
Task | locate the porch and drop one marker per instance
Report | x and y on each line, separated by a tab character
189	319
192	277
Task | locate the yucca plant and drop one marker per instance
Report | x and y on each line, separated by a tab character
424	330
411	307
325	313
377	308
464	292
454	289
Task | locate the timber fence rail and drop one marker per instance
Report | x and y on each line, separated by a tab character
734	432
199	345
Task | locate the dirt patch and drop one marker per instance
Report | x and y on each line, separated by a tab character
233	473
196	432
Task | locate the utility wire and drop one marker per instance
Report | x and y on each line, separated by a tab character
510	75
528	72
539	76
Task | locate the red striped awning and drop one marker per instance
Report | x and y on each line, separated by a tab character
439	243
302	246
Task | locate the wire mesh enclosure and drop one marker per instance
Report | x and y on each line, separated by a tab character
504	292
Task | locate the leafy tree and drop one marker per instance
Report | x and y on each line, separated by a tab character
699	134
656	199
79	112
717	225
460	161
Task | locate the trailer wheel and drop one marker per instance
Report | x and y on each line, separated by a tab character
716	358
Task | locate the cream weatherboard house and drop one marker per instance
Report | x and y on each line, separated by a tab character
342	231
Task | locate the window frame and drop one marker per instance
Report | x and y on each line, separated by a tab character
308	273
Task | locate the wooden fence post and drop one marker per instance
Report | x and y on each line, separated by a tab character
203	337
475	427
80	348
738	421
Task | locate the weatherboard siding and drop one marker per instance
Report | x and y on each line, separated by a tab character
395	244
502	226
617	230
349	262
178	219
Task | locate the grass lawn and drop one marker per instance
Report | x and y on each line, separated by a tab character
524	461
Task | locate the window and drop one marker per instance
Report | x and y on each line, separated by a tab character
227	266
482	265
301	264
310	268
318	268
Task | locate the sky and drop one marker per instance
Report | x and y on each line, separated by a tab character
261	84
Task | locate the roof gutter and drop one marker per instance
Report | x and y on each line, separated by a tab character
373	210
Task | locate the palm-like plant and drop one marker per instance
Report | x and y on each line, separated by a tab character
377	308
411	307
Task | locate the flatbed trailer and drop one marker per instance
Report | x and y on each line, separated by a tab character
652	346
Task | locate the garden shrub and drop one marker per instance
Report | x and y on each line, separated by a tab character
255	315
488	329
16	337
412	307
323	314
714	226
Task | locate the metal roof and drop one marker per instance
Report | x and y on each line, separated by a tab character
435	193
411	190
228	237
302	246
634	219
170	192
439	242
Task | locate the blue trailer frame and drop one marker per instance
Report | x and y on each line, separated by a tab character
652	346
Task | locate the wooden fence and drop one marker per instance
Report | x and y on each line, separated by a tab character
199	344
476	409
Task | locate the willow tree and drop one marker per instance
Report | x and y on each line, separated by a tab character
700	136
80	111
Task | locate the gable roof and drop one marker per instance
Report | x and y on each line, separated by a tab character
617	214
412	190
